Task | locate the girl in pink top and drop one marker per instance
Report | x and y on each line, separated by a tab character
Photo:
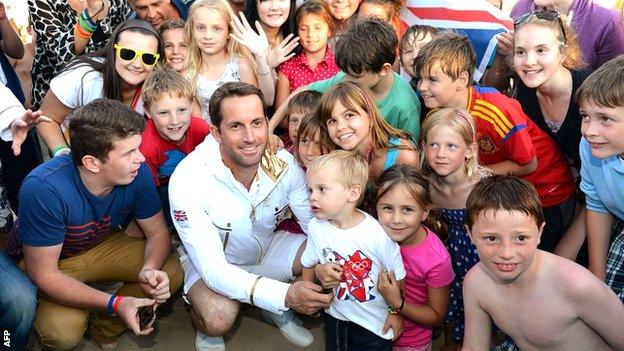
403	204
316	61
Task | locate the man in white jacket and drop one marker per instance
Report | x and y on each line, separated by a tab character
227	197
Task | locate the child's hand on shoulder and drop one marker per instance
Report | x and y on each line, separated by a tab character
275	143
389	288
328	274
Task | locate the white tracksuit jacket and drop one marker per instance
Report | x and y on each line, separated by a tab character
223	225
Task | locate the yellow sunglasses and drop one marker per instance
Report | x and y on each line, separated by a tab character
129	54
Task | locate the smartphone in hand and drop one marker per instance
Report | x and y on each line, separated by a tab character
147	316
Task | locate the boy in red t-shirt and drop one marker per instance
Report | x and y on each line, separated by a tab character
171	133
509	142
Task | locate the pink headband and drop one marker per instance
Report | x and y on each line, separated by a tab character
464	114
367	102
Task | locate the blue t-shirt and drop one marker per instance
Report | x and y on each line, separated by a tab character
601	181
56	207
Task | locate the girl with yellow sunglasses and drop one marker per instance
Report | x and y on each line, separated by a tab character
116	72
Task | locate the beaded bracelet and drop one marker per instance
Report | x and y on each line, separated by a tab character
396	311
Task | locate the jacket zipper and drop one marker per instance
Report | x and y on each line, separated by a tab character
252	215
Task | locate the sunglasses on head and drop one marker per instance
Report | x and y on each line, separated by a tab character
128	54
548	15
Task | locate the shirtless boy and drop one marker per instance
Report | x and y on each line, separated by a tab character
542	301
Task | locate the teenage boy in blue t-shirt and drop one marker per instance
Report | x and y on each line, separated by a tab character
70	231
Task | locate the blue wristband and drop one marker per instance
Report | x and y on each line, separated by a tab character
88	19
109	309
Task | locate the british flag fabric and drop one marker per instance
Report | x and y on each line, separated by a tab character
479	20
179	216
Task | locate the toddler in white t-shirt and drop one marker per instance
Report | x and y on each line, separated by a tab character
352	249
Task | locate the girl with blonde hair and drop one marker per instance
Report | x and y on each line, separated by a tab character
547	59
223	48
449	160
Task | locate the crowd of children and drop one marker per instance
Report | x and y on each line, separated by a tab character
436	201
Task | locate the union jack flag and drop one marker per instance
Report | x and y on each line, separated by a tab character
179	216
479	20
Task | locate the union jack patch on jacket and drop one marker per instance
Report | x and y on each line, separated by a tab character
179	216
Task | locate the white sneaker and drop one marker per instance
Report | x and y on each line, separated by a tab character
209	343
291	327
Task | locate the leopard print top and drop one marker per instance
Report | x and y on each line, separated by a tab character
53	21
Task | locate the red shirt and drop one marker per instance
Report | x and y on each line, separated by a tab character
399	28
299	72
504	132
163	156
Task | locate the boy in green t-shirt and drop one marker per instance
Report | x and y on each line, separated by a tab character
365	54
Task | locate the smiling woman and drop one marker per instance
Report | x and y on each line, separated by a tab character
342	11
277	19
115	72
